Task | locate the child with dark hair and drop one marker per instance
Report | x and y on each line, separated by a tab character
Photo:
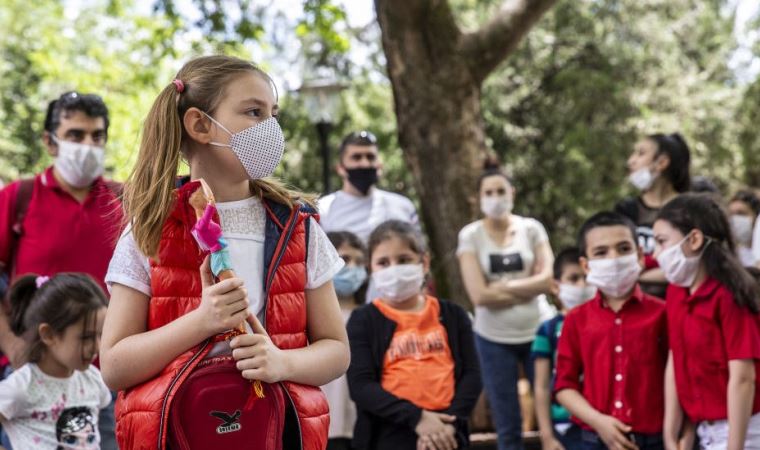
713	308
61	319
349	284
569	286
350	280
612	353
414	373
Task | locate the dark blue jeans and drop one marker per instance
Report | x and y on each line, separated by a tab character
592	441
571	440
499	368
107	426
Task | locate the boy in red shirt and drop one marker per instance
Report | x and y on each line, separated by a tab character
613	349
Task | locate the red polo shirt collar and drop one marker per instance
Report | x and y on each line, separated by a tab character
637	296
48	180
705	291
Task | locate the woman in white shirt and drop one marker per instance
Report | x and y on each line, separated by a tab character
506	264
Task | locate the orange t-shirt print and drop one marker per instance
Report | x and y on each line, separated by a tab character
418	365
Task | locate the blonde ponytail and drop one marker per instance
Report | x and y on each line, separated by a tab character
149	190
276	190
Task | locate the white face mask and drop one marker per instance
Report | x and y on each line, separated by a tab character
572	295
259	148
741	226
496	207
678	268
642	179
78	164
397	283
615	277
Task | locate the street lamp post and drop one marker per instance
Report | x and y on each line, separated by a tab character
323	130
321	98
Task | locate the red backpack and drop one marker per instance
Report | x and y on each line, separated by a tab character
216	408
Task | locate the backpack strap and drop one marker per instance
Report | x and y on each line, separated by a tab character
23	198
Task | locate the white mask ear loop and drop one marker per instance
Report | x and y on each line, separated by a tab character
708	241
218	144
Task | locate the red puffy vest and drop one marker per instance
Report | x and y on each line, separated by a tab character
142	411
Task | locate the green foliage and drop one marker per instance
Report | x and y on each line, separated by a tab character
322	18
366	106
590	79
748	119
46	53
563	112
222	24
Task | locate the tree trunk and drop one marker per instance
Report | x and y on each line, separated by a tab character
436	73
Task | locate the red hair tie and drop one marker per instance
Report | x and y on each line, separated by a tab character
179	85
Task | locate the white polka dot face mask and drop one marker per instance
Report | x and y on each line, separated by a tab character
259	148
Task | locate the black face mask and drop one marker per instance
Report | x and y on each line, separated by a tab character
362	179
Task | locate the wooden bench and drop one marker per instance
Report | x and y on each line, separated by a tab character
486	441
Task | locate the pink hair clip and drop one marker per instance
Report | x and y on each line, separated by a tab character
179	85
39	281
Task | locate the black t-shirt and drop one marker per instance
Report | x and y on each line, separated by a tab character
643	216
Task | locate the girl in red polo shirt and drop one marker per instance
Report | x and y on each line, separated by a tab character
713	372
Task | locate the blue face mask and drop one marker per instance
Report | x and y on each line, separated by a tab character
349	280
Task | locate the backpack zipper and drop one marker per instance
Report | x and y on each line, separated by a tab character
295	412
176	378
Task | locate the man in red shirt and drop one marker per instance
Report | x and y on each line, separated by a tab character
66	219
613	349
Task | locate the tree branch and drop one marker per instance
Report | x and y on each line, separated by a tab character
428	23
491	44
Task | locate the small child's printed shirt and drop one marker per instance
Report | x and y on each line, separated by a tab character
45	412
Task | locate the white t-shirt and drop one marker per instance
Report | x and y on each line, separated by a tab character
745	255
342	409
341	211
506	325
242	223
44	412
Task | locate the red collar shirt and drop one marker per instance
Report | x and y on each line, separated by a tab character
60	234
616	360
707	330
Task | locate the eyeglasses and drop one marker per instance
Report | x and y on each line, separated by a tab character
366	136
74	96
